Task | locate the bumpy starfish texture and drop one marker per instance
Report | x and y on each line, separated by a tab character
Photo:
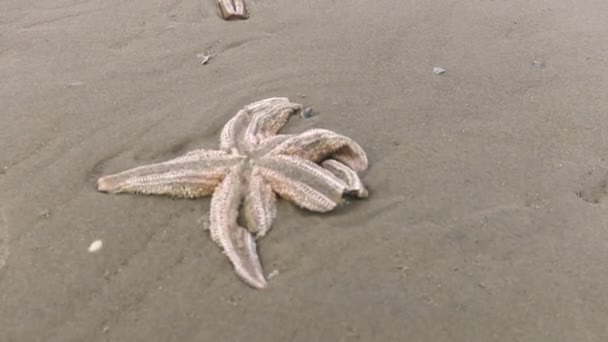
253	165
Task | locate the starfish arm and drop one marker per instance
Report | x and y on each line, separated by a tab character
237	243
194	174
317	145
232	133
302	182
268	117
354	185
260	207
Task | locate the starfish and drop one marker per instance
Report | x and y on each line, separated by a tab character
314	170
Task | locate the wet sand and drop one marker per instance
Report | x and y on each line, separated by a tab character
488	214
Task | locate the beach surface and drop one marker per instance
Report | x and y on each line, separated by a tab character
488	211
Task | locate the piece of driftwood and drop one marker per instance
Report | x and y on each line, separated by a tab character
233	9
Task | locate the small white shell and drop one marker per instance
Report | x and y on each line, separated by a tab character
95	246
438	70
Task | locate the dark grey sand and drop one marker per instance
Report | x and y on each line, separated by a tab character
488	215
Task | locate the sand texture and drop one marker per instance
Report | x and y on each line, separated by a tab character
488	211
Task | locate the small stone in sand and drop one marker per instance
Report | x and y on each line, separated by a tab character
438	70
306	113
402	268
95	246
46	213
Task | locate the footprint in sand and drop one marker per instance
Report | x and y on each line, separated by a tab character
3	240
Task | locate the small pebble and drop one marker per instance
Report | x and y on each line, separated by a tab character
95	246
306	113
438	70
46	213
